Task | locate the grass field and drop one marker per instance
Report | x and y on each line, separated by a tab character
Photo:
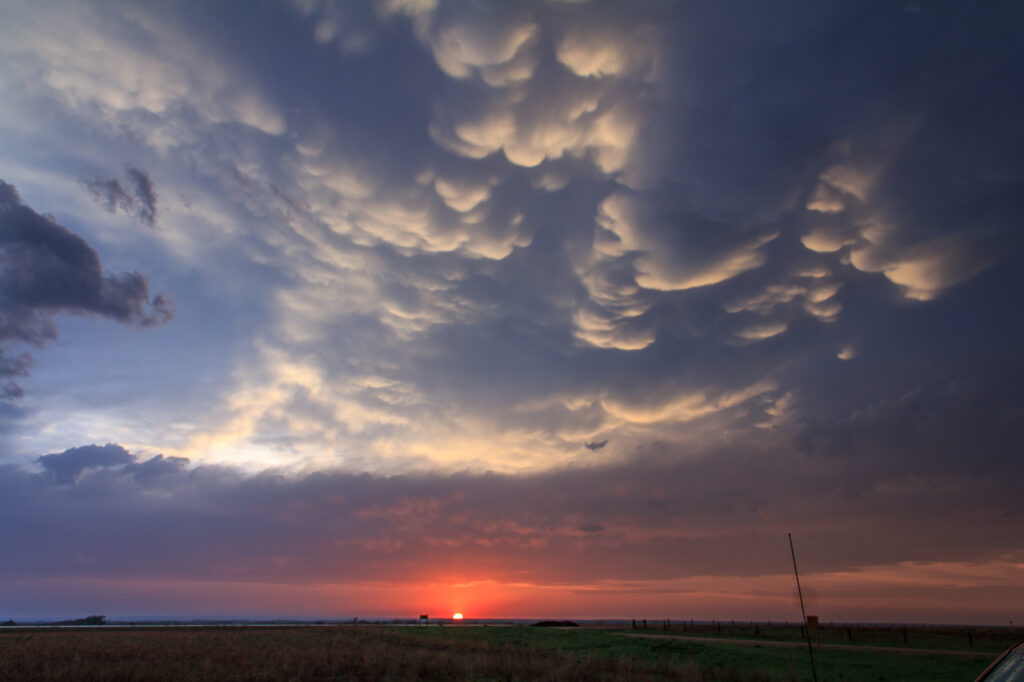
465	653
947	637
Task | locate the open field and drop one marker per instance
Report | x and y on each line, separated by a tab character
458	653
946	637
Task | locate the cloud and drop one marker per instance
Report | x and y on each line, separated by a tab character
538	119
669	259
48	270
762	331
825	240
155	467
145	194
141	202
683	407
349	26
460	49
138	70
67	466
556	212
662	274
595	445
924	270
926	429
534	130
609	50
665	515
826	199
640	251
110	194
414	218
608	329
462	197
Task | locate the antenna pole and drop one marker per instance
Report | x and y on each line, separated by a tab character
810	649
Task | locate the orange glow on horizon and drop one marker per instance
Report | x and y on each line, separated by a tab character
456	616
941	592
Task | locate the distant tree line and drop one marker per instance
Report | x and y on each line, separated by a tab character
88	620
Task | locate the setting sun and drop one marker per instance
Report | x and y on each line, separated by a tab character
456	616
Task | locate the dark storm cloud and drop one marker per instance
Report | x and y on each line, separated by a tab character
665	515
138	201
772	125
145	194
67	466
11	367
48	270
155	467
962	427
109	193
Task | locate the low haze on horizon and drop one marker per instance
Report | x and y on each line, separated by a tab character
540	309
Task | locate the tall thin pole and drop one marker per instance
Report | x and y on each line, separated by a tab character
810	649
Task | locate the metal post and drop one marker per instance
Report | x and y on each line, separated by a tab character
810	649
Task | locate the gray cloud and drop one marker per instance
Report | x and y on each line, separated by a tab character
11	367
48	270
109	193
140	202
961	427
663	516
595	445
67	466
691	296
155	467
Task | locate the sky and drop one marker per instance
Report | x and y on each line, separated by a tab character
531	309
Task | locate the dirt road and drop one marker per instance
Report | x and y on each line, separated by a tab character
797	645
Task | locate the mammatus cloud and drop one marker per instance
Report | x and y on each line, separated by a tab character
849	220
139	200
138	71
535	227
607	51
762	331
642	259
47	270
926	269
489	48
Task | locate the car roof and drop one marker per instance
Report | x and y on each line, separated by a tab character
1013	650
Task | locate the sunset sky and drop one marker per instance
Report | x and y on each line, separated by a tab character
518	309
